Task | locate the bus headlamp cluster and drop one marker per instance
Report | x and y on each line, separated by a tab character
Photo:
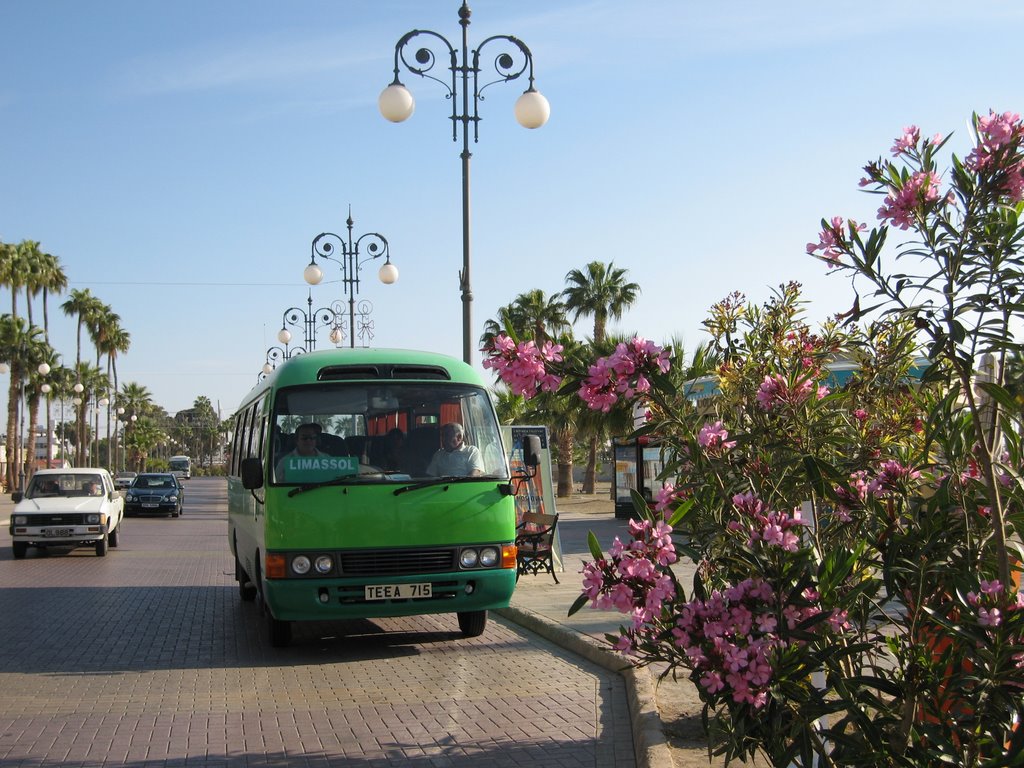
302	565
479	557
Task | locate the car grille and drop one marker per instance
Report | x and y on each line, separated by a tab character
62	518
396	562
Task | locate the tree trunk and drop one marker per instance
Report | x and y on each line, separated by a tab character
564	438
590	476
12	427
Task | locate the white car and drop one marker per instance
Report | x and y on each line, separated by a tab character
67	507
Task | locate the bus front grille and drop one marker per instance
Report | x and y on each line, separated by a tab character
397	562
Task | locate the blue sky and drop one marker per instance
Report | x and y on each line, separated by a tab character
179	157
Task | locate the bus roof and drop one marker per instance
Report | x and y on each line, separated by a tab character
368	364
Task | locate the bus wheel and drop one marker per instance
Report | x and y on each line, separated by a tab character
20	549
278	632
246	589
472	623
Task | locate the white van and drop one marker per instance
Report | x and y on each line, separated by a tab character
67	507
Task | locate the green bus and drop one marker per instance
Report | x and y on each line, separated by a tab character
343	503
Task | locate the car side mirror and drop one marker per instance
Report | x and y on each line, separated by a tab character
252	474
17	496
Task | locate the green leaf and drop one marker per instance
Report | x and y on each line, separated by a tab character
999	394
578	603
595	547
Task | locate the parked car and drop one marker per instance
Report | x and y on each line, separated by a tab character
154	493
67	507
123	479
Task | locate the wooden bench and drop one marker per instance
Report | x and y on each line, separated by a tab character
535	537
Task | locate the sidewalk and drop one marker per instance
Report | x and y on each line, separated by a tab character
671	708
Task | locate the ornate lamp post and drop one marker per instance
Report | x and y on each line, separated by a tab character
396	104
45	388
376	246
308	320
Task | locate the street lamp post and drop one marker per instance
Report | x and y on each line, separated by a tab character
324	246
532	110
308	320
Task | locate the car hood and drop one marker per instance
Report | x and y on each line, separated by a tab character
58	504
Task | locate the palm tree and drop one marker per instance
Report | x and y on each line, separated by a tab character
102	323
602	291
22	347
81	304
532	315
117	340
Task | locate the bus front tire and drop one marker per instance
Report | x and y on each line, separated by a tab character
472	623
278	632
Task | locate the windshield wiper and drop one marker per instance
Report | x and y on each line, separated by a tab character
442	480
343	480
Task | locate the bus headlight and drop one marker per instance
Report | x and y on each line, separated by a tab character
469	558
489	557
324	564
301	565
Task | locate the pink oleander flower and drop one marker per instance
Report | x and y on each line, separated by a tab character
523	367
775	392
891	477
906	142
831	241
901	204
625	373
712	438
989	617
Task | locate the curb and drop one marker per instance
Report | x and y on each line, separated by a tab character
649	742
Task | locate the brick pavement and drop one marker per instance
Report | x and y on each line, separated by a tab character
147	658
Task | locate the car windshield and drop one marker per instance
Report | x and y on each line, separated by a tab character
384	432
153	481
50	485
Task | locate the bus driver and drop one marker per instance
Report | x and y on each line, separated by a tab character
455	458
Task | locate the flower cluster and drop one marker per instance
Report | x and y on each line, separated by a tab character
524	366
712	438
773	528
893	477
775	392
634	580
998	133
904	202
731	638
627	372
830	239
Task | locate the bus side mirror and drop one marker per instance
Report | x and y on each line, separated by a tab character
252	474
531	453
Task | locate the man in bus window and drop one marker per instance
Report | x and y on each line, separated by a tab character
306	436
454	457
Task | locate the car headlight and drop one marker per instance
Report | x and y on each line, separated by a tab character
130	497
324	564
468	558
172	497
300	565
92	519
489	557
20	520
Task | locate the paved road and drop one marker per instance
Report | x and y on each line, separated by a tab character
147	658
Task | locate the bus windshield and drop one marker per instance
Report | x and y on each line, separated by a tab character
384	433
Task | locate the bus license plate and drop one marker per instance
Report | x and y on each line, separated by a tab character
54	533
397	591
